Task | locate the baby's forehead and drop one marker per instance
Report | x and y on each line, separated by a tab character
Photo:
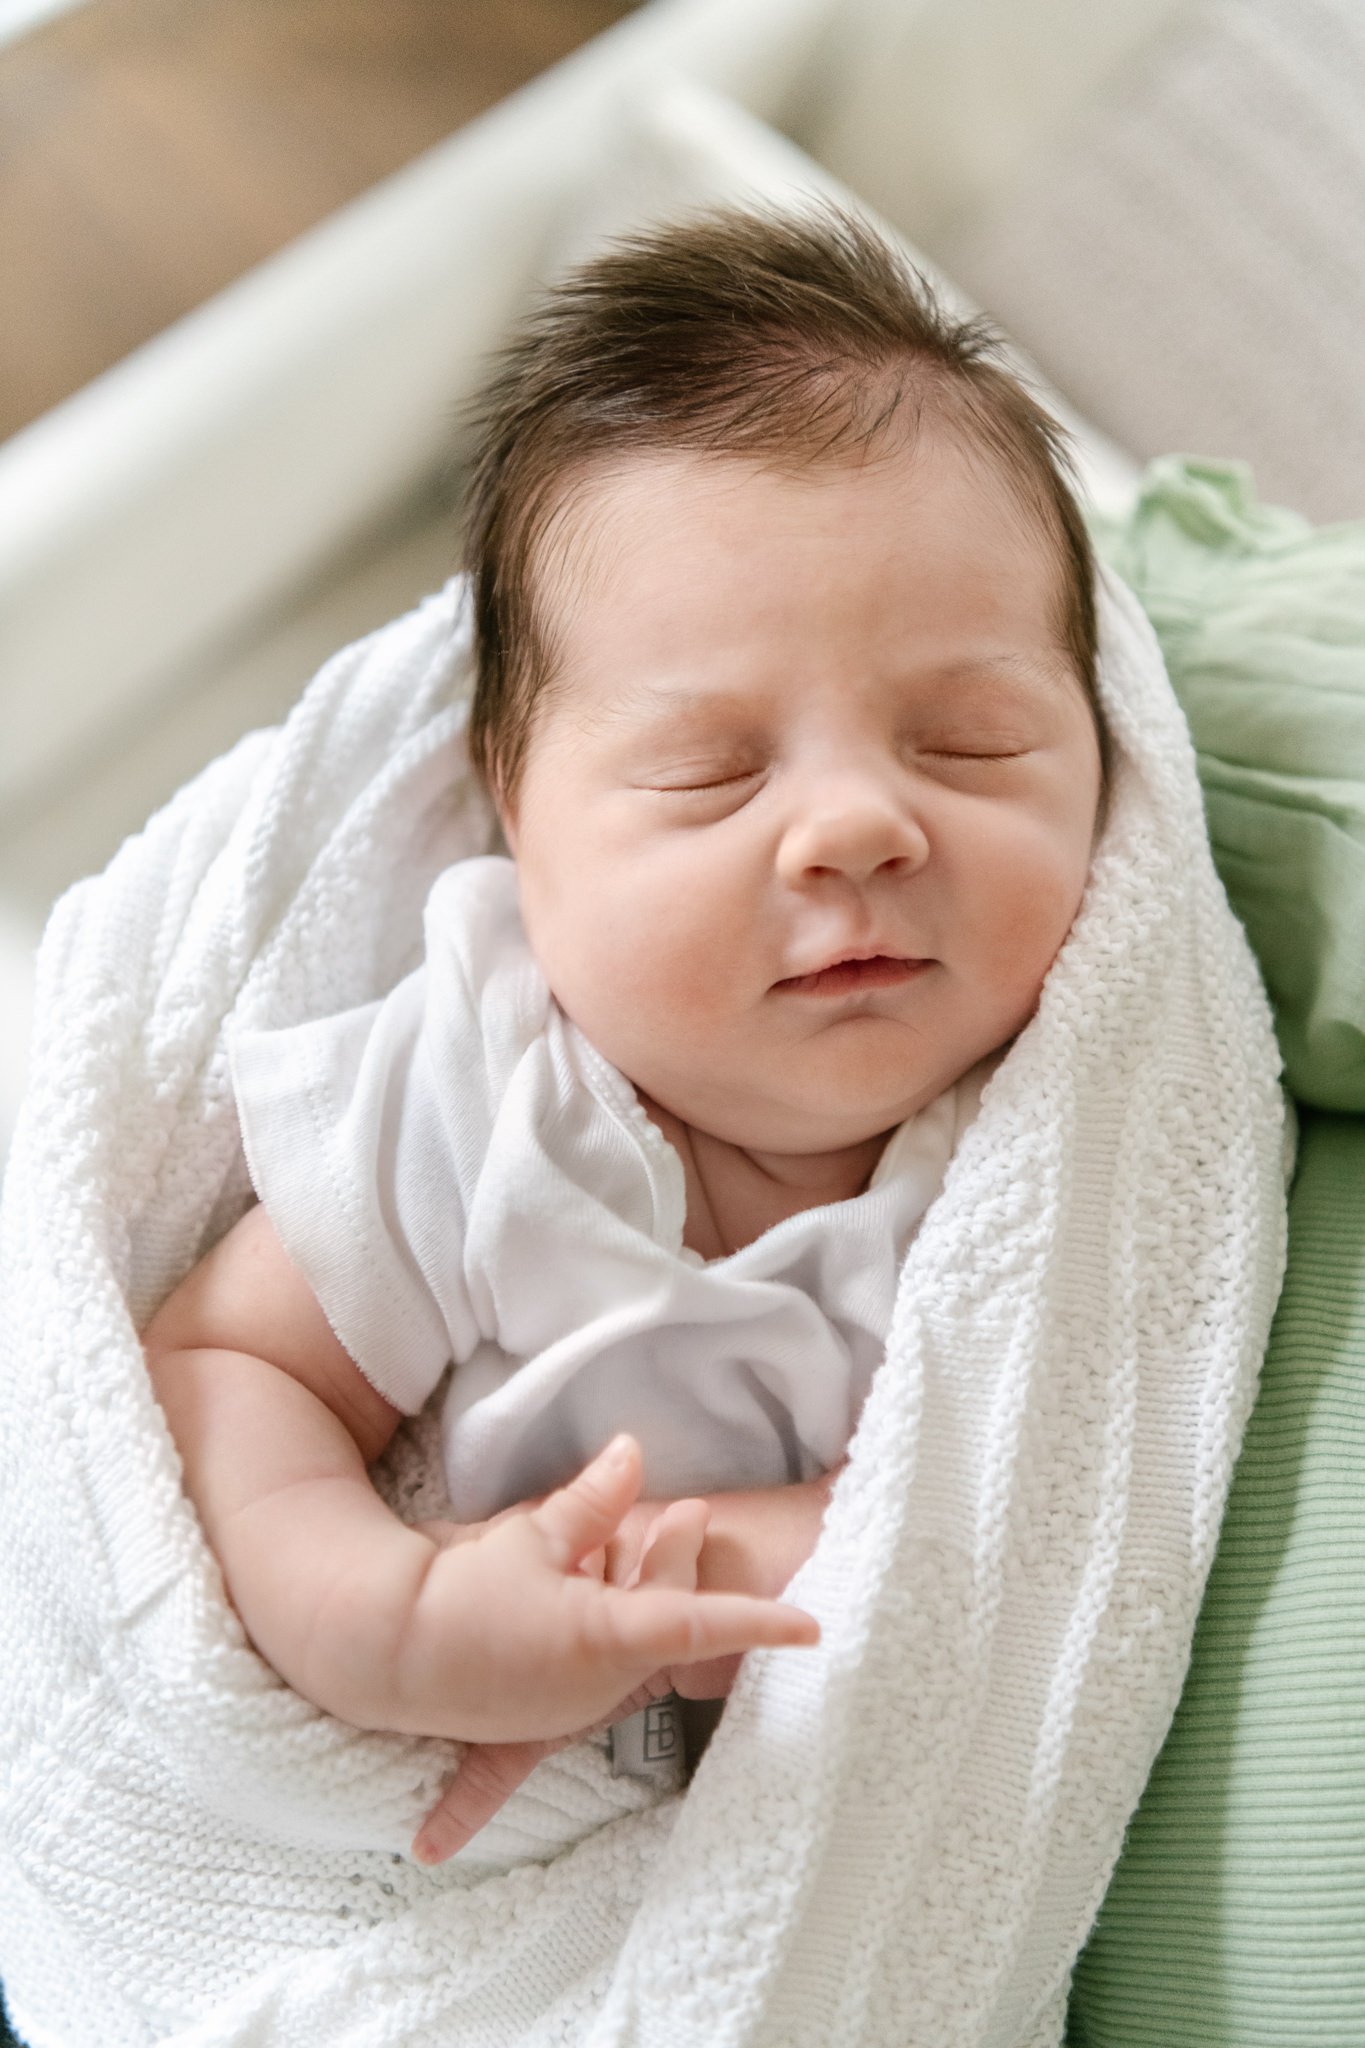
917	537
660	492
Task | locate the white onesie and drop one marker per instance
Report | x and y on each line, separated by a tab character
460	1175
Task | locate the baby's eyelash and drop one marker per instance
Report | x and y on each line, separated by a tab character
700	788
978	753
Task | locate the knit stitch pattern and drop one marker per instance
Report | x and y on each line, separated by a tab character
900	1837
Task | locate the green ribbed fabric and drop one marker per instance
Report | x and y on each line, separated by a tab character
1236	1915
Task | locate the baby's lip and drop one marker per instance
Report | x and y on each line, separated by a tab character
851	972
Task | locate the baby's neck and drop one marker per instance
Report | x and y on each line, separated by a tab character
734	1195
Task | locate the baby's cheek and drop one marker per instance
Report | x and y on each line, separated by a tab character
1033	913
690	948
655	999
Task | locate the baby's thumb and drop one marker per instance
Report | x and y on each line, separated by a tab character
583	1515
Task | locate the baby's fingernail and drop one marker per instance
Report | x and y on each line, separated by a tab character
619	1451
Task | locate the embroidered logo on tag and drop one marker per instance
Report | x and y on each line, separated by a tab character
650	1744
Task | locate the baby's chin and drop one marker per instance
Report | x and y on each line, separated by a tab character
788	1125
826	1093
834	1112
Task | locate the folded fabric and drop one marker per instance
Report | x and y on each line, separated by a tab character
1261	618
900	1837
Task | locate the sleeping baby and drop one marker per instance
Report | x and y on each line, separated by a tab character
785	699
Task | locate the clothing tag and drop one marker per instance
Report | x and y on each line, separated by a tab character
649	1744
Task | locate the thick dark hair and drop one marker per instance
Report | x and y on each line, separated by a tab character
796	339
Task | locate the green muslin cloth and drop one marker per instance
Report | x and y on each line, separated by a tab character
1261	618
1236	1916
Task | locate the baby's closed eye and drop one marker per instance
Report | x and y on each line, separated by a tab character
702	777
974	750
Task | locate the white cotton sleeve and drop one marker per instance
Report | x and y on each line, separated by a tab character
347	1125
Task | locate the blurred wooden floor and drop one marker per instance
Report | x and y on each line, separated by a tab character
152	150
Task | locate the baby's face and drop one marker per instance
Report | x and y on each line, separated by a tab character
808	808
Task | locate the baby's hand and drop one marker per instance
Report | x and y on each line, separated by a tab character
489	1772
504	1637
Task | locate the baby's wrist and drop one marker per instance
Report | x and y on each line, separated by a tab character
324	1595
756	1541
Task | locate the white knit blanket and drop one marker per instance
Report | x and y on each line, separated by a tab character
898	1838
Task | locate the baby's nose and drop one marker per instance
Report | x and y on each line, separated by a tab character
854	829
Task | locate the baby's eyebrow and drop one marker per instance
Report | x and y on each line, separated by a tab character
678	703
1053	673
682	704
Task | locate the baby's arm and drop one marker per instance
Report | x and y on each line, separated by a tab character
499	1637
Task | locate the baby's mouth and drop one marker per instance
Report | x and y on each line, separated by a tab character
853	977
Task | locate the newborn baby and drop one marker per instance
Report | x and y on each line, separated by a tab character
785	645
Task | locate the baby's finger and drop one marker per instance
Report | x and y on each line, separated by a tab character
673	1546
713	1679
582	1515
667	1627
488	1774
656	1687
